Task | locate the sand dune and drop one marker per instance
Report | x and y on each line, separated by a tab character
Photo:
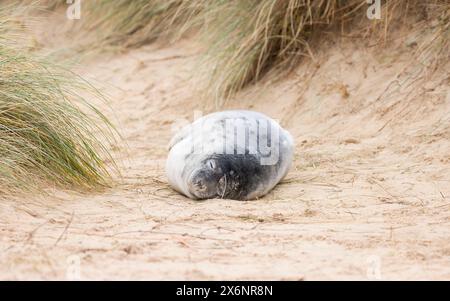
368	196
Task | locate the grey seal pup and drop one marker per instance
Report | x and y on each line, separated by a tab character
233	154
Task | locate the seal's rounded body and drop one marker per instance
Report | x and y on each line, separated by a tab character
234	154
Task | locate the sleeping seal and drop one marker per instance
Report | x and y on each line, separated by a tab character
236	154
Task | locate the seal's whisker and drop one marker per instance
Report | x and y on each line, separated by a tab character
225	188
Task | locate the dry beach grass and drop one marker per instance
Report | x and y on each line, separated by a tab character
48	131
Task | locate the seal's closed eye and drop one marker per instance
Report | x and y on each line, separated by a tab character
212	164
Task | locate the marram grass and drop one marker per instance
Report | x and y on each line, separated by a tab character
49	134
136	22
244	39
247	38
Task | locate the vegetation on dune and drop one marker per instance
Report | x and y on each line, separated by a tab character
244	38
247	38
48	132
51	4
137	22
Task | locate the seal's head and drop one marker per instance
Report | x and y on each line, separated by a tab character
208	181
225	176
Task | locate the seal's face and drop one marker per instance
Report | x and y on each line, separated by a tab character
226	176
208	181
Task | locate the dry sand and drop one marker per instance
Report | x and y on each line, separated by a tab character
368	196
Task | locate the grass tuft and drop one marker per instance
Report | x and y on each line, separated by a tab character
248	38
137	22
49	133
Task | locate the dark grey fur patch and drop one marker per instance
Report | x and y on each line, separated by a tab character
244	174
